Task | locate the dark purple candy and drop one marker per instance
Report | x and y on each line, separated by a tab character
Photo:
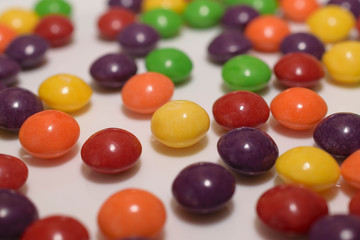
338	134
336	227
133	5
227	45
237	17
28	50
248	150
9	70
138	39
351	5
16	105
17	212
203	187
302	42
113	70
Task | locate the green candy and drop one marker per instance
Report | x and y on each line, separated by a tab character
203	13
46	7
171	62
245	72
262	6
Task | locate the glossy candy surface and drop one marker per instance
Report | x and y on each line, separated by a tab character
49	134
338	134
354	204
9	70
7	34
239	109
22	20
203	13
132	212
262	6
308	166
146	92
298	10
177	6
48	7
111	150
238	16
352	5
133	5
203	187
180	123
13	172
65	92
350	168
290	209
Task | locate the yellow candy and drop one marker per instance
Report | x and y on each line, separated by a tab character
65	92
180	123
331	23
343	62
308	166
21	20
177	6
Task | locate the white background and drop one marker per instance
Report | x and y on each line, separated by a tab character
67	186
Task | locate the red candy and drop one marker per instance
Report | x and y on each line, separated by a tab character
240	108
354	204
358	24
13	172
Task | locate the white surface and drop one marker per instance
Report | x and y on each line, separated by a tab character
66	186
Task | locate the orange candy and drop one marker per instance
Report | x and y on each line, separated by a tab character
49	134
298	108
350	169
298	10
132	212
7	34
266	32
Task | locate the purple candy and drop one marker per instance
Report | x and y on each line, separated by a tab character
351	5
227	45
9	70
248	150
28	50
133	5
302	42
2	86
237	17
338	134
16	105
113	70
203	187
138	39
17	212
336	227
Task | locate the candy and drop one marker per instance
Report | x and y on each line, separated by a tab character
171	62
56	227
298	10
238	16
111	150
262	6
146	92
308	166
132	212
177	6
203	187
298	108
240	108
354	204
358	24
47	7
133	5
290	209
246	72
22	20
331	23
180	123
351	5
226	45
350	168
113	70
266	32
13	172
138	39
16	105
341	61
338	134
49	134
9	70
7	34
2	86
299	69
248	151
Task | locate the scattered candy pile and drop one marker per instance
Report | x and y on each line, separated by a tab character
174	119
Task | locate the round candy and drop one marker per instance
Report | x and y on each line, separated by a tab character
146	92
111	150
47	7
358	24
342	61
354	204
352	5
266	32
7	34
177	6
350	168
171	62
248	151
22	20
203	187
113	70
28	50
239	109
226	45
16	105
49	134
56	227
339	134
180	123
331	23
9	70
262	6
138	39
203	13
308	166
13	172
133	5
132	212
298	108
298	10
299	69
246	72
238	16
290	209
18	212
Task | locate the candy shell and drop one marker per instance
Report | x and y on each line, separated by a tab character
21	20
350	169
298	10
13	172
